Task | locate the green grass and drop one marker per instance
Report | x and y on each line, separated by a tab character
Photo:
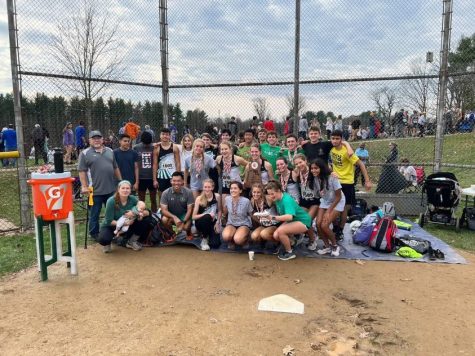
465	239
457	149
18	252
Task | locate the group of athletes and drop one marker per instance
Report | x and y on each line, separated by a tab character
256	190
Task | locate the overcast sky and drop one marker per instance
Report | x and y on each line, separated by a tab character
223	41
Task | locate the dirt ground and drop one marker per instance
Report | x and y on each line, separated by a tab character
182	301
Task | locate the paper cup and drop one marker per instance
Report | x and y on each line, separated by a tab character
251	255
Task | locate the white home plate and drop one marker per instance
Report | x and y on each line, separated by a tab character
281	303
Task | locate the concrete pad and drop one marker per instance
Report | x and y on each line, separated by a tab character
281	303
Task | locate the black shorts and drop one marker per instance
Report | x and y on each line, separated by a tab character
146	184
307	203
164	184
349	191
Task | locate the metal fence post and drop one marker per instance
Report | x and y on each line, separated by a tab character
25	212
443	78
297	66
164	58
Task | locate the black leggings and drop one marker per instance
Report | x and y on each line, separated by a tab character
139	227
205	225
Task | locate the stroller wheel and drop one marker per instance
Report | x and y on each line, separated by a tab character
457	224
421	219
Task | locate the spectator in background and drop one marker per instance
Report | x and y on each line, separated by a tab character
68	142
269	125
186	130
372	122
288	129
10	142
412	124
355	126
132	130
329	127
80	137
148	129
364	133
38	137
399	124
233	127
303	127
173	131
122	128
421	123
409	173
339	123
363	155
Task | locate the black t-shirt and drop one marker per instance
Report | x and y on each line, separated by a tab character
145	159
318	150
126	163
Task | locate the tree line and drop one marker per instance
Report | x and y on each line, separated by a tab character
53	113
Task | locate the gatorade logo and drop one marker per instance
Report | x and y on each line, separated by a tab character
54	196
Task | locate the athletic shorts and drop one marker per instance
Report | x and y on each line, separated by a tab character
307	203
349	191
164	184
146	184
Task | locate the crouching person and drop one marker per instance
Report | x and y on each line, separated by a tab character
176	205
207	216
116	206
295	220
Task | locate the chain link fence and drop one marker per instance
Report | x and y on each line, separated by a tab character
374	64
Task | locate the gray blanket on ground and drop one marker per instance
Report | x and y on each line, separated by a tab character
351	251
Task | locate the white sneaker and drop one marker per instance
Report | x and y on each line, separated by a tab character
335	251
204	245
312	246
324	251
107	248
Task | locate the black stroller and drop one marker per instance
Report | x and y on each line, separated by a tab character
443	196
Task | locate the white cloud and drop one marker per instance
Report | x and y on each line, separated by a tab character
214	41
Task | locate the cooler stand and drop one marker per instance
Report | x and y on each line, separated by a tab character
57	253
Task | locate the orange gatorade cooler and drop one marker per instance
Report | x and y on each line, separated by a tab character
52	195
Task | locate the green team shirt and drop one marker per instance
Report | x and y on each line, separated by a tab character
289	156
114	214
270	153
287	205
244	152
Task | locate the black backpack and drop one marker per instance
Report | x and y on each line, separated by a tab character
359	209
160	233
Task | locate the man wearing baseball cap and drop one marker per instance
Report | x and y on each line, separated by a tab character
98	172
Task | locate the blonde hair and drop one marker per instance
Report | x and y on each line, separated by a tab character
203	200
198	140
185	137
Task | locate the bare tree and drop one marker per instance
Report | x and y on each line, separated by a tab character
261	107
291	103
418	94
385	99
85	45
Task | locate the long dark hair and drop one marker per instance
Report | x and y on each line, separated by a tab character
324	173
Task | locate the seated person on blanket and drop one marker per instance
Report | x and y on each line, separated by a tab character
116	206
293	218
129	216
176	205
